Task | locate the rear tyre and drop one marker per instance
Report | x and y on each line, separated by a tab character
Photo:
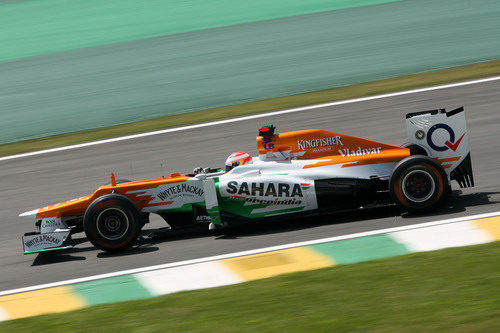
112	222
418	184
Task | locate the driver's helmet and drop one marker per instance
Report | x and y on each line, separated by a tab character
237	159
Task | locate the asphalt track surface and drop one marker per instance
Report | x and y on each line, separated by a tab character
32	182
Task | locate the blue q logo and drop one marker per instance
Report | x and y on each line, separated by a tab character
449	144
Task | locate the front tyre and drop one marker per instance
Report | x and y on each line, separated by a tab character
418	183
112	222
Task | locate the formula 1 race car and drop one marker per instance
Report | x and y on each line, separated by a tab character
303	172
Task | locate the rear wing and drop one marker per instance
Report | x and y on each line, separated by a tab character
443	135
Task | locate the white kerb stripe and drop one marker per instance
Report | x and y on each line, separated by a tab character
3	314
256	116
191	277
442	236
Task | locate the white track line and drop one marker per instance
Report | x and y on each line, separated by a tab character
250	252
260	115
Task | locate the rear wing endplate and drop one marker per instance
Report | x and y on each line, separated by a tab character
444	136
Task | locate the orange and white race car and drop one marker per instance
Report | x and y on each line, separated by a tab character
296	173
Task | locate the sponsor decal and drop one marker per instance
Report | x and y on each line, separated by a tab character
265	189
180	190
44	241
50	224
359	152
448	144
268	142
321	142
420	135
203	218
322	149
270	202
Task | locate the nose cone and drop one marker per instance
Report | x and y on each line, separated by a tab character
30	214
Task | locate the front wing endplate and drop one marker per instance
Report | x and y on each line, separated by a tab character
34	243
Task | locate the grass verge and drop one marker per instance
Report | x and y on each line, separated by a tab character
454	289
456	74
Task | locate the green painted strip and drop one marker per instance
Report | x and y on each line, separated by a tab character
109	290
186	208
46	250
362	249
29	28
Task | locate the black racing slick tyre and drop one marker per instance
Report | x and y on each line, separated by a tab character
112	222
418	184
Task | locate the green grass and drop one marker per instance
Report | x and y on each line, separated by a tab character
29	28
449	290
485	69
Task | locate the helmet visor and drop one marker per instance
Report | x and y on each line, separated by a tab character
229	167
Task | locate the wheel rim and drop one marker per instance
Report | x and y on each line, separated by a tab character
418	185
112	223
